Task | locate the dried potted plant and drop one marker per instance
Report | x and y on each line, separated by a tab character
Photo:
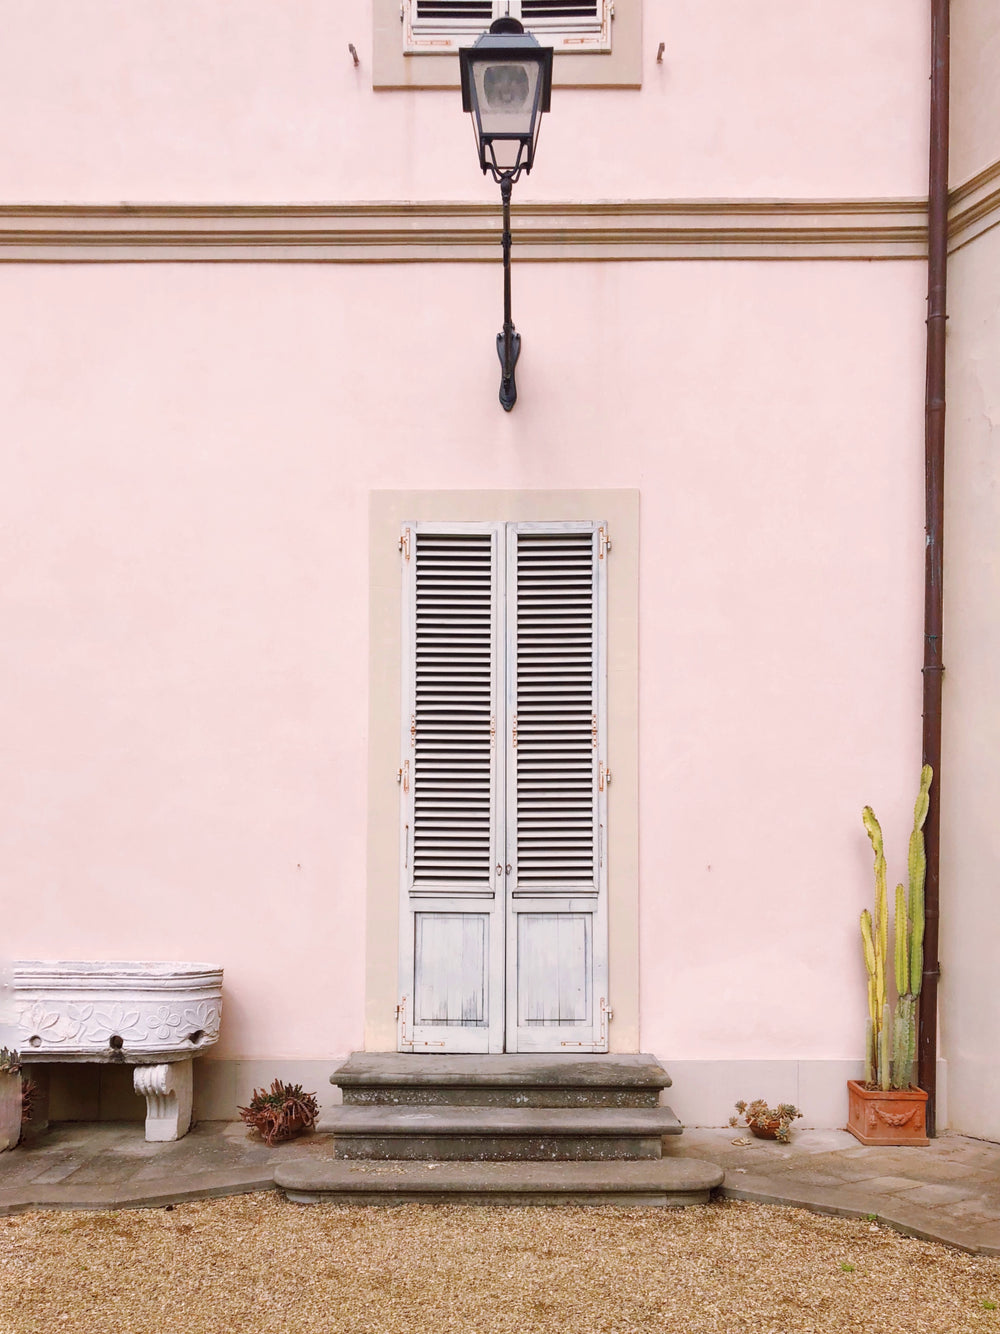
767	1122
886	1108
10	1098
282	1113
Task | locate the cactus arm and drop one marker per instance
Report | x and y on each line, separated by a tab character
876	991
911	1048
869	1049
917	946
881	910
902	945
873	830
918	871
884	1048
868	942
923	802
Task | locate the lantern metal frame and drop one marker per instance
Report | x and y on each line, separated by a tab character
506	42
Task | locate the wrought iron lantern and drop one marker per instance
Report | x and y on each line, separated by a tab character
506	85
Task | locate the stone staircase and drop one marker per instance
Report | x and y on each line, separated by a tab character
499	1129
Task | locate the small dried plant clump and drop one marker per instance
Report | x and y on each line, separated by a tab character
767	1121
282	1112
10	1062
29	1092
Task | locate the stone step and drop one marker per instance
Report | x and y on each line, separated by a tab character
668	1182
485	1134
399	1079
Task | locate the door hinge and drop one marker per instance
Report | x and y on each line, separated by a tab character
601	1042
604	542
404	1041
404	543
403	775
603	777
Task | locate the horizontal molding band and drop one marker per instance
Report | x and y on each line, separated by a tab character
456	232
974	207
391	232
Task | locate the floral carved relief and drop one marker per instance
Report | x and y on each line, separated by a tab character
146	1019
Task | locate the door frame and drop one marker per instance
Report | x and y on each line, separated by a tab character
387	511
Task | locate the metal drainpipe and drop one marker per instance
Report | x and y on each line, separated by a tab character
934	411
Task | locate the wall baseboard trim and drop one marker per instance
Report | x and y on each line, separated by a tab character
703	1092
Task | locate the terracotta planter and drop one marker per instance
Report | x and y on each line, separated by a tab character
884	1118
765	1129
293	1126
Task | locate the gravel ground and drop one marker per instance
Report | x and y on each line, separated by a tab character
254	1263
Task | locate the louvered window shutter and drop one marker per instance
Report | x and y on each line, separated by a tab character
555	696
452	721
556	788
452	935
444	25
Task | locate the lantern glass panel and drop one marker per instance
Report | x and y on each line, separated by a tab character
507	95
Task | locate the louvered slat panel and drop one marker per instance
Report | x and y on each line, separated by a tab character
555	708
453	746
452	16
561	9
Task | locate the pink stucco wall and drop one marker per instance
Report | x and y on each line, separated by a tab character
110	100
188	455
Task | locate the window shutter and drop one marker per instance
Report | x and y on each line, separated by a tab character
451	936
555	698
452	723
445	25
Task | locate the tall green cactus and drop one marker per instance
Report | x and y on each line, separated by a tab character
891	1039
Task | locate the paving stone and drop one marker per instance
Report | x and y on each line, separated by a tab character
58	1172
937	1194
988	1239
890	1185
976	1210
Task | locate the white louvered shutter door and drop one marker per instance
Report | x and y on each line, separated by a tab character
556	790
452	924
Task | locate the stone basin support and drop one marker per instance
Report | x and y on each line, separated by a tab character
167	1089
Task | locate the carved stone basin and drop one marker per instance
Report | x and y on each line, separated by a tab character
155	1016
136	1013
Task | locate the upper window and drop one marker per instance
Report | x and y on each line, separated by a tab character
442	26
598	43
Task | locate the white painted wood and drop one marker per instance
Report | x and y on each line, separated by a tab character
557	996
451	969
451	772
554	969
503	941
445	25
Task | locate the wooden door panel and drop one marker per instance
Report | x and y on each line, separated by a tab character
451	969
554	969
